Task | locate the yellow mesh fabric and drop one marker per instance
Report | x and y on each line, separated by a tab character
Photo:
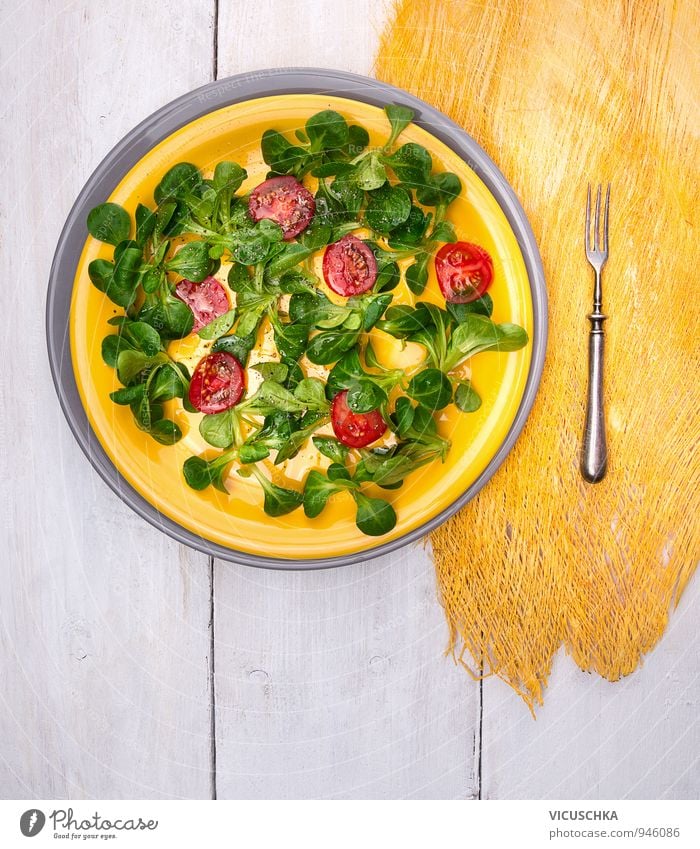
560	94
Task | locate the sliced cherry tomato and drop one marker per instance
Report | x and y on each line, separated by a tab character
286	202
464	272
349	266
355	429
207	300
217	383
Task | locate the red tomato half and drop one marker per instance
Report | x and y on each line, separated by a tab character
207	300
286	202
355	429
464	272
349	266
217	383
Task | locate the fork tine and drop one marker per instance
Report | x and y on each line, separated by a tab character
605	220
596	229
588	219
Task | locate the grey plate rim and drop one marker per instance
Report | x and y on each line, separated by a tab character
155	128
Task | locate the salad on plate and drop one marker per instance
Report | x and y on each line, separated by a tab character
287	290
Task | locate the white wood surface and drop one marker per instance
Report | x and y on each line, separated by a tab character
327	684
638	738
331	684
104	634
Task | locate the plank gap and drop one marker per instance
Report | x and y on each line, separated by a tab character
215	45
479	738
212	679
212	686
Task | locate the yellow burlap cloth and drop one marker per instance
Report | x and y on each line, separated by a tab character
559	94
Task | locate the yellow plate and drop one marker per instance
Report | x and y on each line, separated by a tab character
237	520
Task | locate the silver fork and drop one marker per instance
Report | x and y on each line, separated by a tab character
594	454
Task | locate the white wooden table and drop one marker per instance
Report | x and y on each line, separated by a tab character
133	667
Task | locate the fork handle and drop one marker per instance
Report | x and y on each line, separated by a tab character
594	456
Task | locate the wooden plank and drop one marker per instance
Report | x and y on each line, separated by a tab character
104	628
283	33
638	738
332	684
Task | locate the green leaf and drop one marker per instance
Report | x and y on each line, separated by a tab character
331	448
370	173
277	372
317	490
180	181
131	363
168	383
142	336
365	396
100	272
145	413
358	139
399	118
478	333
375	517
239	278
417	274
166	432
278	500
315	308
218	327
423	423
253	245
431	388
239	346
198	473
192	261
152	280
317	235
273	396
172	318
337	473
349	196
412	164
327	347
327	130
388	277
128	394
345	373
109	222
311	392
228	176
374	307
279	154
111	346
296	281
218	428
387	207
291	255
392	470
164	214
481	306
444	231
403	320
403	415
291	339
252	308
145	224
441	189
121	284
467	398
252	453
